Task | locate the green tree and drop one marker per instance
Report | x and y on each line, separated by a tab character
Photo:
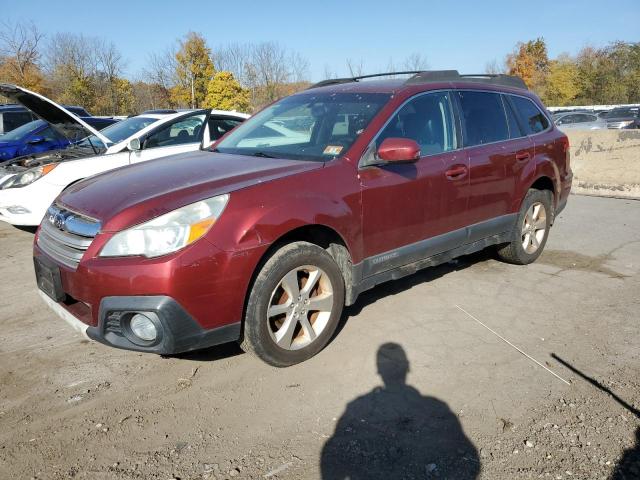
194	69
562	84
225	93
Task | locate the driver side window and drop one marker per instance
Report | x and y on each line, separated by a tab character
427	119
185	130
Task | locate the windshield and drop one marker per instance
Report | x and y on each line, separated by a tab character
622	112
21	132
120	131
311	126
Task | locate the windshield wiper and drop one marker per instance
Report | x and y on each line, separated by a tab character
263	155
95	150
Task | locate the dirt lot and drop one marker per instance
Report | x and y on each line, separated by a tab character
470	406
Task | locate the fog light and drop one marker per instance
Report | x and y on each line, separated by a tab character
143	327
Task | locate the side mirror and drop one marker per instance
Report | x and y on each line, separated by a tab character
399	150
134	145
36	140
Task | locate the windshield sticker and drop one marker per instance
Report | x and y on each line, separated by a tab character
332	150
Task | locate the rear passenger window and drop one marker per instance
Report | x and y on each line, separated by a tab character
484	118
427	119
514	127
532	118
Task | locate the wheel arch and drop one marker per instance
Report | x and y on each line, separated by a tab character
317	234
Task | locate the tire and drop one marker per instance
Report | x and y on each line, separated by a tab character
536	203
283	329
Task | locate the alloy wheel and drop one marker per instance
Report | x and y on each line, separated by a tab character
534	227
300	307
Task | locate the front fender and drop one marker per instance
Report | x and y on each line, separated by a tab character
261	214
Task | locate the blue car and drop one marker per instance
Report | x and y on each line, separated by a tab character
33	137
38	136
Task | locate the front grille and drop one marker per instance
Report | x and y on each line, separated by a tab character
66	235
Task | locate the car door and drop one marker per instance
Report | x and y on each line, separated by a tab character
43	141
405	204
217	126
181	135
491	159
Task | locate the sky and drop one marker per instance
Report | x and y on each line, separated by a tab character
463	35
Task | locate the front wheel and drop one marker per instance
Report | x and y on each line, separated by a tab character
294	305
531	230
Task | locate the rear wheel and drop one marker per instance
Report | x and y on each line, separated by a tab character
531	229
294	305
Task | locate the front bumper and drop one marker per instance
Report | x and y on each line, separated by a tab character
177	330
195	296
27	205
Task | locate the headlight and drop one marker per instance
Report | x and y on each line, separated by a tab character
169	232
28	176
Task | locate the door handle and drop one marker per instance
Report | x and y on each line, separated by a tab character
522	156
456	172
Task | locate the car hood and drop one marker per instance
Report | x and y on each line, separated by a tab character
65	122
134	194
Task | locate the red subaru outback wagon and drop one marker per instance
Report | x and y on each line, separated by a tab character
264	238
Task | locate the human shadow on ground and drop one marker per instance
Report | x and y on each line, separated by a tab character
395	432
628	468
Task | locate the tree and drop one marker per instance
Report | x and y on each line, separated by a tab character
111	66
562	83
494	67
72	66
225	93
194	69
530	62
414	62
20	45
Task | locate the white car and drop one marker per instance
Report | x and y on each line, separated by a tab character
28	185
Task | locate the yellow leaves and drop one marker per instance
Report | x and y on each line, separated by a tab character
193	70
225	93
562	84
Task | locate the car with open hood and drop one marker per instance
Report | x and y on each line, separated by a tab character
30	183
38	136
322	195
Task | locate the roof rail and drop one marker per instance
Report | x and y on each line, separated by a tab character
334	81
431	76
454	76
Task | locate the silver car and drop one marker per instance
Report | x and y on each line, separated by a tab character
579	121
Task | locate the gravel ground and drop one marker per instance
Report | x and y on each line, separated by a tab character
411	387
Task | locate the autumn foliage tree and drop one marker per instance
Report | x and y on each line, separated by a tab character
562	84
224	92
530	62
193	70
20	54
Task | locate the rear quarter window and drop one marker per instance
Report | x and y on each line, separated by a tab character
484	118
532	119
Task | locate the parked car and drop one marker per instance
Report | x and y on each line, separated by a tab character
38	136
33	137
14	116
29	184
265	242
623	117
100	123
579	121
